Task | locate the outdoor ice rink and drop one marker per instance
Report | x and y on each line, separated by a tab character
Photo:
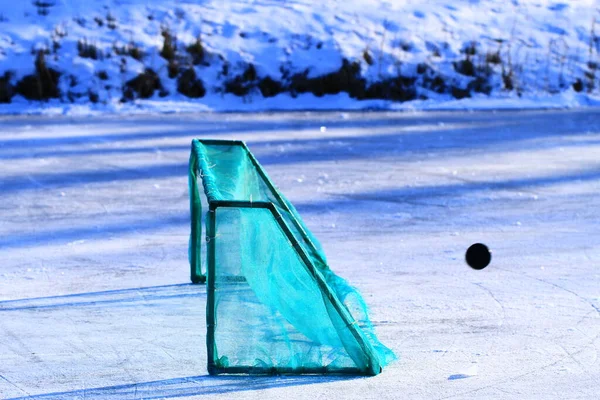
95	299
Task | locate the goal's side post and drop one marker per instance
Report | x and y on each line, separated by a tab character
195	245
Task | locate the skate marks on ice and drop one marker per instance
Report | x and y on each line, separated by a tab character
94	300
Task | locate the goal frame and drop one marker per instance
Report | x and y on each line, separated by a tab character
196	168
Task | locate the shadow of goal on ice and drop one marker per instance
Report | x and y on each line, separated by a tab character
273	306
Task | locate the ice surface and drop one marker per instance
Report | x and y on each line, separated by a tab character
94	221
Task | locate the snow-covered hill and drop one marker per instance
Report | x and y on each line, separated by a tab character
264	54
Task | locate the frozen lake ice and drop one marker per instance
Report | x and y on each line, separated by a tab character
95	299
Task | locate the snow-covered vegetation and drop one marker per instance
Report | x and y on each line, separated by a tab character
262	54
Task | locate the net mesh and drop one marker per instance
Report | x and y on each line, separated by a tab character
274	305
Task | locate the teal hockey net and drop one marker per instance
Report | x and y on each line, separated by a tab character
274	306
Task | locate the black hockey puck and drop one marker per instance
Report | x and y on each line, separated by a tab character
478	256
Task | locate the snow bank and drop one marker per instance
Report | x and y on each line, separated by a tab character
132	55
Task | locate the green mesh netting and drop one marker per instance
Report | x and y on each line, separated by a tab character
274	305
